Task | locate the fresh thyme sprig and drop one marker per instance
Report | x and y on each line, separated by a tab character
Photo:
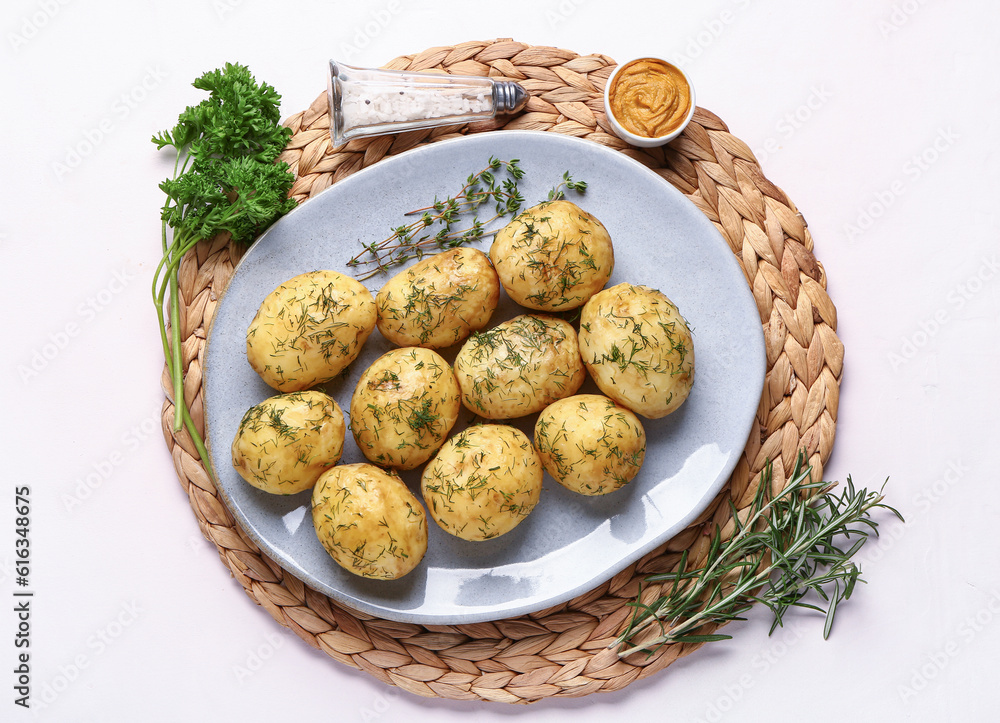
413	240
781	548
407	242
557	194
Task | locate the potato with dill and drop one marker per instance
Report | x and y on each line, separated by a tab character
403	407
589	444
553	257
439	300
368	521
638	349
310	329
483	482
286	442
519	367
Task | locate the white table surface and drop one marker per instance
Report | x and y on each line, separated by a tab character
879	119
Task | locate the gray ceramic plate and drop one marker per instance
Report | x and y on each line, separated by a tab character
570	543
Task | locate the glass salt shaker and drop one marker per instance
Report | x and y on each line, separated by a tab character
368	101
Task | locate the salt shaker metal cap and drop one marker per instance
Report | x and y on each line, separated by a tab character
368	101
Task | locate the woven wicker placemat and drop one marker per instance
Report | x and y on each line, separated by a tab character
562	651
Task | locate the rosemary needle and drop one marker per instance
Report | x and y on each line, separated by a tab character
784	547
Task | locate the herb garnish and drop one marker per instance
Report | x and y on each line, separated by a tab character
225	180
410	242
781	548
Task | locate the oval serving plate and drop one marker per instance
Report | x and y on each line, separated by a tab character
570	543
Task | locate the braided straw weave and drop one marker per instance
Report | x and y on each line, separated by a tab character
562	651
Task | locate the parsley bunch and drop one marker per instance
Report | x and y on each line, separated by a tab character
225	180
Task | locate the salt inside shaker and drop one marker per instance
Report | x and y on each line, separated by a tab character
368	101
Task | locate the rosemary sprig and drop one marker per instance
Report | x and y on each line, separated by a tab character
782	548
435	229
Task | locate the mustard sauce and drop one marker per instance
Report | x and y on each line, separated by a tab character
650	98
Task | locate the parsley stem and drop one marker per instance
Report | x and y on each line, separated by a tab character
226	179
164	279
175	331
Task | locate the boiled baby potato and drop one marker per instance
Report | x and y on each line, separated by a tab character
403	407
589	444
309	329
638	349
369	521
519	367
553	256
483	482
286	442
438	301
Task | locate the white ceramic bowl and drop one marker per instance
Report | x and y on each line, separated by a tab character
645	141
